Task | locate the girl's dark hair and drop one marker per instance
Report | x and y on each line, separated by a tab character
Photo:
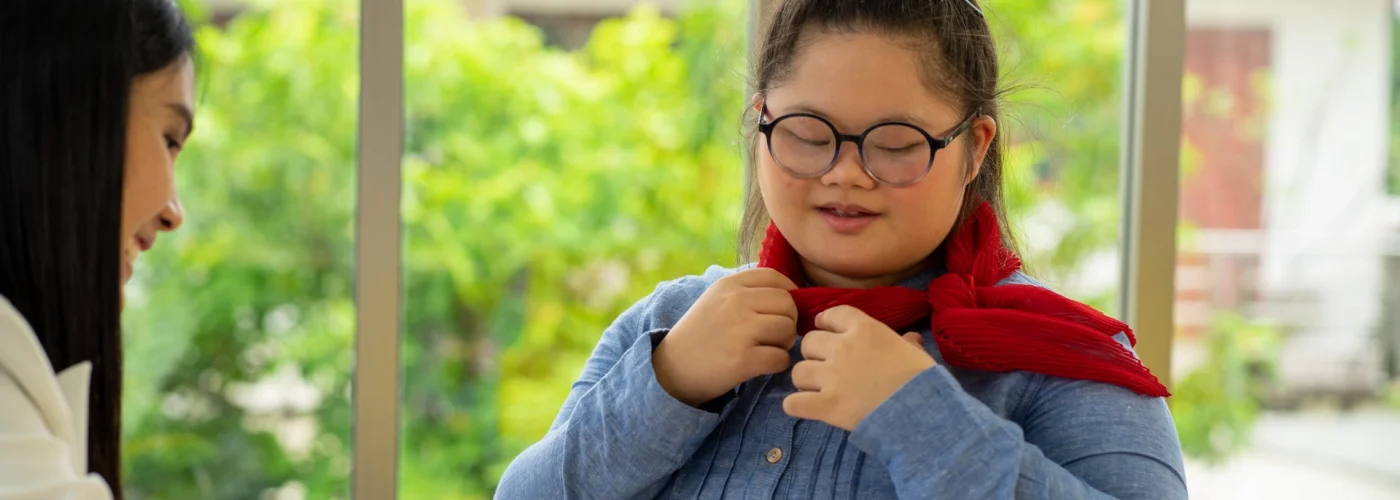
958	62
66	71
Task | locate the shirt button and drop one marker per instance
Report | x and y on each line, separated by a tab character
774	455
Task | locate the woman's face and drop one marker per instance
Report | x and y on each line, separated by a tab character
856	81
159	122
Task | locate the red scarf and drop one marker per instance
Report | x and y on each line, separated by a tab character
978	324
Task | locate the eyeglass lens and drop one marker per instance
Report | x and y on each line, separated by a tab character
893	153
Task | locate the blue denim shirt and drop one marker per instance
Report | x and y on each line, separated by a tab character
948	433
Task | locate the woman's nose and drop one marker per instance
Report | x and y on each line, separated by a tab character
849	170
172	216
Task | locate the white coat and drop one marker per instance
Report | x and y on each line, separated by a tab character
43	421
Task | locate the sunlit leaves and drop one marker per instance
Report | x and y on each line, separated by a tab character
540	186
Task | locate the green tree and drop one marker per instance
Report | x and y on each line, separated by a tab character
258	282
1062	64
546	191
1219	402
576	180
1392	176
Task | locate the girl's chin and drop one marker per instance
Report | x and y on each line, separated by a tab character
857	271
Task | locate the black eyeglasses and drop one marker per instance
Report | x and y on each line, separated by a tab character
893	153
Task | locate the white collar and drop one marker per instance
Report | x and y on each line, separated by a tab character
61	399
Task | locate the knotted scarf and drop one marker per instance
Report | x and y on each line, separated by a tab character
979	324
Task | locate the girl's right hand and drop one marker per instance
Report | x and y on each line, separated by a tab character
742	327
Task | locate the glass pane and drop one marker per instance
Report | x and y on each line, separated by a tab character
560	162
1062	62
240	329
563	158
1287	277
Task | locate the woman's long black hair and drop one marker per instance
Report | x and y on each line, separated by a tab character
66	71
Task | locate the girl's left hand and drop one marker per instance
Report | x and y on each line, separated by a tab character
852	364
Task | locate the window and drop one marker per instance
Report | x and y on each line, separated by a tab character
550	186
546	189
1064	63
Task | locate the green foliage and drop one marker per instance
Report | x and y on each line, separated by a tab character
539	184
1391	396
1064	109
544	191
259	280
1392	176
1216	404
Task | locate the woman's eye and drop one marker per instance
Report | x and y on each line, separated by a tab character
171	143
809	139
898	149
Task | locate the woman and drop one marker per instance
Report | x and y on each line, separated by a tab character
96	100
886	344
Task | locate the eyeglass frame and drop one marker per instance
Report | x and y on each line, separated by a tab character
935	143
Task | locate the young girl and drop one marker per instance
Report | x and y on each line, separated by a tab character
878	164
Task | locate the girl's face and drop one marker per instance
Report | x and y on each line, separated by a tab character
856	81
158	123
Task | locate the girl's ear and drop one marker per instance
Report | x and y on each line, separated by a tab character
984	129
757	102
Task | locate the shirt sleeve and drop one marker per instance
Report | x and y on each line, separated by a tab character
619	434
34	463
1075	439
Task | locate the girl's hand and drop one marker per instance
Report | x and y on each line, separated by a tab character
853	364
740	328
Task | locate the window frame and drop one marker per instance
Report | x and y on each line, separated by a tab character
378	259
1150	156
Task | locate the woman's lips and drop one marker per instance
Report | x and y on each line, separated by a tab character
845	222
